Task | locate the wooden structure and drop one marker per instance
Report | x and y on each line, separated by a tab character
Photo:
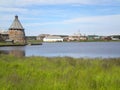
16	32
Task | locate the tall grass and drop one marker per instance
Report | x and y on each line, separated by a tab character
40	73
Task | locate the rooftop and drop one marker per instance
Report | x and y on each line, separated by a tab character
53	37
16	24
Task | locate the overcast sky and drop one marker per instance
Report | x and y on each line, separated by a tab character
101	17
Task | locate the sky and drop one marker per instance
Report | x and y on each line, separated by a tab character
62	17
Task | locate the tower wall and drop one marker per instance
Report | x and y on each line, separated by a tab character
18	36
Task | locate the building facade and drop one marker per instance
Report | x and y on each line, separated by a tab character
16	32
4	35
53	39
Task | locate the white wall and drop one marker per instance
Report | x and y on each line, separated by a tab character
52	40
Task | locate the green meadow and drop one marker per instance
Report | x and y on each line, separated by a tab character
42	73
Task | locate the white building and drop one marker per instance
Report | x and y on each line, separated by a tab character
115	37
41	36
4	35
53	39
3	32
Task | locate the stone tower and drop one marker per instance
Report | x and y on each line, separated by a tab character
16	32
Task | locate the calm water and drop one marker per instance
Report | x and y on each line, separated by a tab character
72	49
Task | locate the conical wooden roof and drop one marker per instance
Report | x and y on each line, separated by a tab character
16	25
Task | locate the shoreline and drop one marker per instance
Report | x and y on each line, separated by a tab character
61	57
4	45
11	45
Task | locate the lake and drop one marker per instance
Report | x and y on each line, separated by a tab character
71	49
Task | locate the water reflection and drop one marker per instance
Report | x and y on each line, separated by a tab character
4	52
16	53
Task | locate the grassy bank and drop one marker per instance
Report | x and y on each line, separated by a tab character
40	73
2	44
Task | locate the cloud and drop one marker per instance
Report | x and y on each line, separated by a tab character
69	1
42	24
103	25
11	9
53	2
95	19
86	20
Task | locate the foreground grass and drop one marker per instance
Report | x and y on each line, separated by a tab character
40	73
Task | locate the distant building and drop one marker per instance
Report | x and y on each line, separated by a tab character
106	38
1	37
93	37
4	35
65	37
115	37
53	39
77	38
42	36
83	38
73	38
16	32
